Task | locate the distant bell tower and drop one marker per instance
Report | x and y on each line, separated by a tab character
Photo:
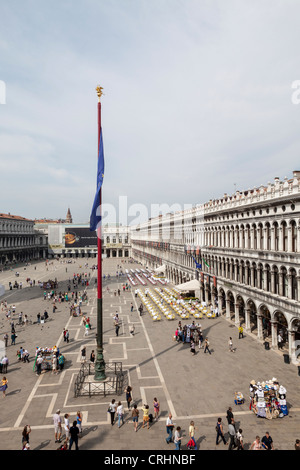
69	219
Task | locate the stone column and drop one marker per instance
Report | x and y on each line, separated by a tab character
281	284
236	314
246	238
298	240
265	285
235	238
228	309
236	272
241	238
251	238
252	280
274	334
280	247
265	239
273	282
272	239
247	320
259	272
293	347
289	240
259	327
290	286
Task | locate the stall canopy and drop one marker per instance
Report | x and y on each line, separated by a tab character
160	269
188	286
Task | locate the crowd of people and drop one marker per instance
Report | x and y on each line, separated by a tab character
67	431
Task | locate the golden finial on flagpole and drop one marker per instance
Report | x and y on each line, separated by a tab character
99	92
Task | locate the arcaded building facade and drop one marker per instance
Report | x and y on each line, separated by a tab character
248	245
19	242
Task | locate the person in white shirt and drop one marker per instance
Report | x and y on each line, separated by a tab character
120	413
169	427
112	409
67	426
57	426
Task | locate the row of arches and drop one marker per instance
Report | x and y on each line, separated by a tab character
262	319
269	277
274	235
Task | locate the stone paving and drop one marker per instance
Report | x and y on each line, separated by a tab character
198	388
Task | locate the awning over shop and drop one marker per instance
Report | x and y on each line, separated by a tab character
160	269
188	286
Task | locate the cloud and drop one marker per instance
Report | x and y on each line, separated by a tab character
197	100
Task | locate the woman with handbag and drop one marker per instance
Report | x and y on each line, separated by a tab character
128	391
112	410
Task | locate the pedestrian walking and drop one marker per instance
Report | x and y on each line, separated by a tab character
38	363
67	426
241	332
206	346
267	442
200	339
280	341
232	435
256	445
297	444
79	422
25	435
131	330
145	410
5	337
3	386
54	364
112	410
83	354
74	432
67	336
4	364
156	406
120	414
117	329
57	425
92	356
220	432
229	415
230	345
128	391
169	428
135	417
240	440
192	346
13	338
61	361
192	434
177	438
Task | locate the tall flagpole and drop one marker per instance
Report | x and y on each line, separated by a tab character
99	362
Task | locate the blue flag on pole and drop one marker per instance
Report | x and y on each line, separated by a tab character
95	218
198	265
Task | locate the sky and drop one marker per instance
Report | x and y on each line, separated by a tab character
197	102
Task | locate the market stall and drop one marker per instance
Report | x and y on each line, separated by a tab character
268	399
47	355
